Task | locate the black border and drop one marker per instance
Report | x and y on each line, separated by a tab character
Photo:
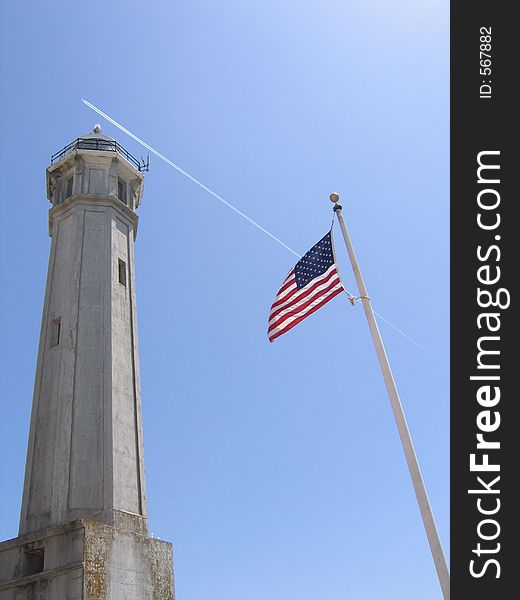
481	124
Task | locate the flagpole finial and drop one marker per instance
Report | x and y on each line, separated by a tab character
334	197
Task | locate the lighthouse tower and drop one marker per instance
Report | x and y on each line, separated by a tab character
83	525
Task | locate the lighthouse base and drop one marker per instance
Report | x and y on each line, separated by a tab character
87	560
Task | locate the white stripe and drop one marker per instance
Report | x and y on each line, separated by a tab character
303	290
304	312
297	301
287	291
313	298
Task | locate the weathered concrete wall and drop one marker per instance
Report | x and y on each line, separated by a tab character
126	405
121	564
61	576
88	560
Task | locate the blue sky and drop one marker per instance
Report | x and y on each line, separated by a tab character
275	469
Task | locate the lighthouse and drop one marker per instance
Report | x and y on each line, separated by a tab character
83	525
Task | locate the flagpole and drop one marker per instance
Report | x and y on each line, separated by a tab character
400	419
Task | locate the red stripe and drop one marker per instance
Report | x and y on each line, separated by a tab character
302	294
285	298
304	305
295	307
300	319
286	283
297	311
302	291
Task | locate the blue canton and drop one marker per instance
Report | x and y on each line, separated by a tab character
315	262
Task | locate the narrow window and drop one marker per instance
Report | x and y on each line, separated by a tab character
121	265
55	331
121	190
33	561
68	188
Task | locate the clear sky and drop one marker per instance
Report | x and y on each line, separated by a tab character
275	469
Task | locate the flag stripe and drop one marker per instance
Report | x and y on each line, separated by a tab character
299	294
303	299
290	289
286	280
297	290
303	306
289	326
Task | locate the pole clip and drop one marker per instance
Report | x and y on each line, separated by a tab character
353	299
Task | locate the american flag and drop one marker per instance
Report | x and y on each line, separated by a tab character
310	284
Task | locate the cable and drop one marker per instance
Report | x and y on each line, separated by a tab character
190	177
229	205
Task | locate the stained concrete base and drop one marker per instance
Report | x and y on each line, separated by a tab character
87	560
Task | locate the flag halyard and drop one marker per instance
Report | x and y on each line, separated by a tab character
310	284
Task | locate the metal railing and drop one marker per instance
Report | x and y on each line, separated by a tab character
100	144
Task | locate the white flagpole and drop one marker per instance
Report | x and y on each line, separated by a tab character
404	433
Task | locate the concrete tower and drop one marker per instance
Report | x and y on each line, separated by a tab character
83	528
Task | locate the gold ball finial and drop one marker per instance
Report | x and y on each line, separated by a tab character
334	197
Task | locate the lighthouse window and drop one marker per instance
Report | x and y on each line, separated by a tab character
68	188
34	561
121	190
55	331
122	271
